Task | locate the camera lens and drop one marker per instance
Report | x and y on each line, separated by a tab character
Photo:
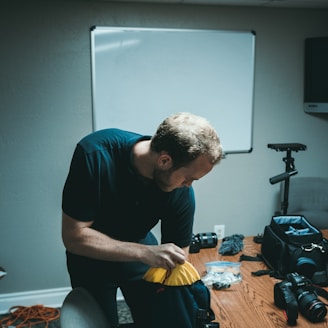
306	266
310	306
208	239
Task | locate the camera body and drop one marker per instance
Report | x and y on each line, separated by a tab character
297	292
203	240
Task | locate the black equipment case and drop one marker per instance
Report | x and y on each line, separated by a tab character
293	244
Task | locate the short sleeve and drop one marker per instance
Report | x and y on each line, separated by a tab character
79	196
177	226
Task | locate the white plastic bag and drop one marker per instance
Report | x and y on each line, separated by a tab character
222	274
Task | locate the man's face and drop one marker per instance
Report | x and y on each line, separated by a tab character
168	179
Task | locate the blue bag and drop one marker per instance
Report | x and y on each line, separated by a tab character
186	306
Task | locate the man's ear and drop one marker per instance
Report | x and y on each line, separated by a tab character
164	161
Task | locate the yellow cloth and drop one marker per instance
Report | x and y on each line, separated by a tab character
182	274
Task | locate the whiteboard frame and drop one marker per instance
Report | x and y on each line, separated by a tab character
233	120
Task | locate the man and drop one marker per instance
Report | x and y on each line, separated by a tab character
120	185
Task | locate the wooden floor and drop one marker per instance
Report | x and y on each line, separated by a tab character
249	303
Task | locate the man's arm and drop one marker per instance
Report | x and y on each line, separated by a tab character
79	238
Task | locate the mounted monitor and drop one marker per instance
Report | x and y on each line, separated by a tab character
316	75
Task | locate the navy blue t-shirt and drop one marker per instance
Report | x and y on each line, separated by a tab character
103	186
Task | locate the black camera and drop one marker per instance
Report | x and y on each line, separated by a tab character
297	292
203	240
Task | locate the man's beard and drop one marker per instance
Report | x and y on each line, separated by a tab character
162	179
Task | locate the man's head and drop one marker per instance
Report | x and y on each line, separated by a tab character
184	137
188	148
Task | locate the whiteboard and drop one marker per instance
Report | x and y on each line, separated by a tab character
142	75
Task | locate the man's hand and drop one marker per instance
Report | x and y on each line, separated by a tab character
165	256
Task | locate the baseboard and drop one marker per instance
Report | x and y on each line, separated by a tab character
47	297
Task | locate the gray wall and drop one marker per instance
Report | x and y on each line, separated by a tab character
46	98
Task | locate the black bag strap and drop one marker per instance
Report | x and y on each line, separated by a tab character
259	258
271	273
263	273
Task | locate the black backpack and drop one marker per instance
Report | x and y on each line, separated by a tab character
185	306
292	244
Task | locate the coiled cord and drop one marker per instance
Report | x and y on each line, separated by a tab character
27	316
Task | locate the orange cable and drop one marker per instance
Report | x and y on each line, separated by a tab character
27	316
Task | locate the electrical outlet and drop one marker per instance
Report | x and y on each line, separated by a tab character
219	230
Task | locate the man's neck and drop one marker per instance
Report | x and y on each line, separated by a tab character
143	159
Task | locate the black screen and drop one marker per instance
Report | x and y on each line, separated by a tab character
316	70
